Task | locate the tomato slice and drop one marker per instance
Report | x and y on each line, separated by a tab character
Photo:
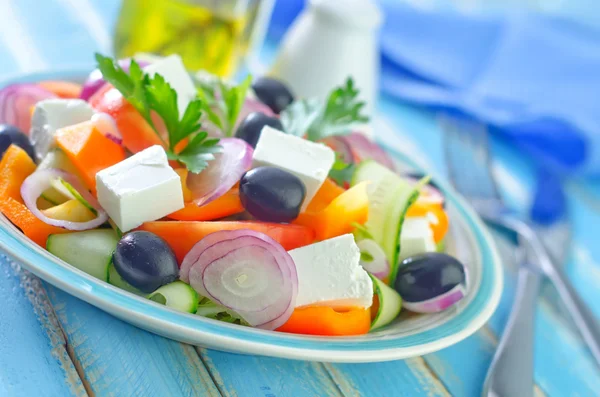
182	236
323	320
136	132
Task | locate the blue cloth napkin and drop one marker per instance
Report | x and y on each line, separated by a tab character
534	78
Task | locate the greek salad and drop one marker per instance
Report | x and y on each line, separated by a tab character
236	202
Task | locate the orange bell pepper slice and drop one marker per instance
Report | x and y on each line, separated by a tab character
323	320
62	89
15	167
328	191
89	150
438	218
226	205
339	217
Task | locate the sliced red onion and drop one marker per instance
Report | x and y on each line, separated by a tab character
201	246
377	264
16	102
107	126
363	148
247	272
252	105
95	81
437	304
222	173
341	147
39	181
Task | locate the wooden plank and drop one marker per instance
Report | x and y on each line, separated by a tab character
242	375
411	377
119	359
32	346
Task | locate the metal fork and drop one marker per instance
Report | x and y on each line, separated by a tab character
469	165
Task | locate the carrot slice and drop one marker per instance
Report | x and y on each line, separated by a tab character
16	165
62	89
227	204
182	236
323	320
89	150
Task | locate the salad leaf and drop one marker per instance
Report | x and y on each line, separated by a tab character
226	98
209	309
341	112
154	94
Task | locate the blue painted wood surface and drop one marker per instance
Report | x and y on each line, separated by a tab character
58	345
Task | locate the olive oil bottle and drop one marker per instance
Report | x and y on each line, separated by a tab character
214	35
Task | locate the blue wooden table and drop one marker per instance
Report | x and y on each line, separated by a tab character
52	344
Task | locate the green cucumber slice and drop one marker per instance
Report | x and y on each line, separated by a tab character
390	303
53	196
66	189
389	199
114	278
90	251
177	295
58	159
441	246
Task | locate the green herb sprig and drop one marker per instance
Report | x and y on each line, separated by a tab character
154	94
222	102
338	115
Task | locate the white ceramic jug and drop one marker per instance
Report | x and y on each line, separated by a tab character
330	41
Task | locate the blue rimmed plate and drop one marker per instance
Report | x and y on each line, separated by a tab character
408	336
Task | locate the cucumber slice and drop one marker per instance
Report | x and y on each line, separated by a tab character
58	159
390	303
90	251
178	295
54	197
114	278
389	199
66	189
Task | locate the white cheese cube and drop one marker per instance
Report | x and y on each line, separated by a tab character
416	237
175	73
139	189
52	114
330	274
309	161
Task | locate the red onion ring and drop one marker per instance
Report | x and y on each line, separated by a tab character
108	127
363	148
379	266
439	303
16	101
36	183
272	303
222	173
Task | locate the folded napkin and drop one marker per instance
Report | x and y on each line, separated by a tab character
535	79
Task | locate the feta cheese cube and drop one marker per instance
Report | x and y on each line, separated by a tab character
416	237
51	115
175	73
309	161
330	274
139	189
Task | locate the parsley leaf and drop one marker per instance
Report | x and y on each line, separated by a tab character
154	94
341	172
222	102
341	112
